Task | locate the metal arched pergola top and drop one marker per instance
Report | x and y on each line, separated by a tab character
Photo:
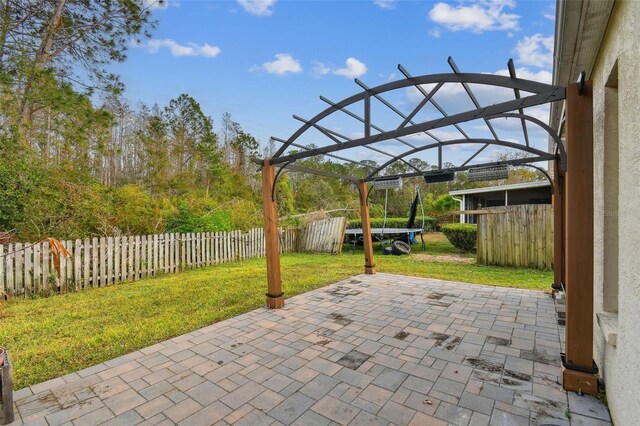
535	94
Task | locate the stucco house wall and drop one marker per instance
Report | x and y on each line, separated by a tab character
616	103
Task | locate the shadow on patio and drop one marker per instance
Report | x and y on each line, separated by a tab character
373	349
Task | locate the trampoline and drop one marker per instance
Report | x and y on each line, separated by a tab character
379	233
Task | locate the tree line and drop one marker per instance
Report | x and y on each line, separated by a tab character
78	159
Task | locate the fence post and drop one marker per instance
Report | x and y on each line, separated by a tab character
6	390
3	289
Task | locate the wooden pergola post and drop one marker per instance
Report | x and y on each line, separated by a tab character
369	266
275	296
558	207
578	369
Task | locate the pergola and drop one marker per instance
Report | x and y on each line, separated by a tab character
572	161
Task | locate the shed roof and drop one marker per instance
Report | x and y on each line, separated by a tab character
511	187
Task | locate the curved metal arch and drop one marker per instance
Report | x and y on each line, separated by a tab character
285	168
552	92
506	144
544	126
275	180
544	172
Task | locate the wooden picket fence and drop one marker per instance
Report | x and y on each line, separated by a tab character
521	236
27	269
322	236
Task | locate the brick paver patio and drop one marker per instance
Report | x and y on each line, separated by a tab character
380	349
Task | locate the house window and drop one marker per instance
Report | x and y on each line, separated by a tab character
611	193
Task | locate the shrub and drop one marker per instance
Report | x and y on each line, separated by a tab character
187	219
461	235
430	224
133	210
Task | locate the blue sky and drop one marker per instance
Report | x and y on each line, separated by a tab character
264	60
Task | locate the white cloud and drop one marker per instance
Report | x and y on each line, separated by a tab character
389	77
321	69
542	76
455	92
535	50
448	90
385	4
353	69
155	4
476	16
435	32
284	64
550	12
258	7
190	49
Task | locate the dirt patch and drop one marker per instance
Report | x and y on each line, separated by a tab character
451	345
540	357
444	341
485	377
498	341
342	291
519	376
440	304
436	296
401	335
353	360
340	319
443	258
543	408
483	364
324	332
323	342
434	299
439	338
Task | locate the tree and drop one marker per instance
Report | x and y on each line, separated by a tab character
193	143
154	140
238	145
68	40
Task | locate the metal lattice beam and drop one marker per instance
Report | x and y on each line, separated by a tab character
517	162
500	108
362	120
536	94
552	93
516	92
394	109
433	102
337	157
506	144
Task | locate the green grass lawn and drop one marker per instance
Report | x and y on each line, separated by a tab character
50	337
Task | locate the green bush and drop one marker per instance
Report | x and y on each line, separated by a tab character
461	235
186	219
430	223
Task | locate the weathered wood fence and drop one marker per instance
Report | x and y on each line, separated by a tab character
322	236
521	236
27	269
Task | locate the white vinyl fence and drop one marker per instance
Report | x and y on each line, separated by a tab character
27	269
